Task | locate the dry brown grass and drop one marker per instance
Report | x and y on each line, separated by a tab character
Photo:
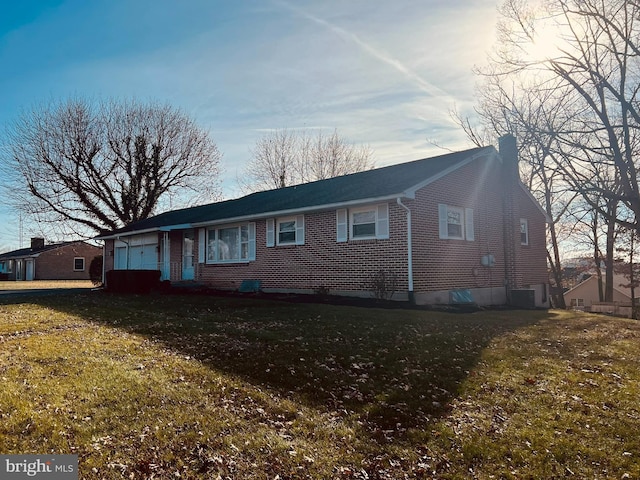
201	387
45	284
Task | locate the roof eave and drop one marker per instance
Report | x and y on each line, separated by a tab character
297	211
486	152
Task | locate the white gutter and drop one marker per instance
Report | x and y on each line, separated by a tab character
117	236
409	249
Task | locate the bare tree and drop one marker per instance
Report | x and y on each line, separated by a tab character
284	157
594	66
327	156
527	114
274	160
564	79
97	166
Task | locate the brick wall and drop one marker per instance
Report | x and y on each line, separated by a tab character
443	264
57	264
531	259
321	262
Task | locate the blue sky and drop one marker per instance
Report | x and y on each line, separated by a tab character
383	73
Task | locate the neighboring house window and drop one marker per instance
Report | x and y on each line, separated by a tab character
231	244
577	302
363	223
78	264
524	231
455	222
285	231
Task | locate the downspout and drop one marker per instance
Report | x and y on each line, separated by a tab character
119	238
104	261
409	252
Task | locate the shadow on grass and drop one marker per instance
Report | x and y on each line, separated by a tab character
394	369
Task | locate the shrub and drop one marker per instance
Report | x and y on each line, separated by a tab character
95	270
133	281
383	284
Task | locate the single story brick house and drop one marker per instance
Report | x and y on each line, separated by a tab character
57	261
456	223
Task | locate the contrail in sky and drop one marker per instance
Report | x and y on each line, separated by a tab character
421	83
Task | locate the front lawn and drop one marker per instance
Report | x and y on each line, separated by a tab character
206	387
44	284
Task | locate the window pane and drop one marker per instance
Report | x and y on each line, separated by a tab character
454	231
287	232
454	222
454	217
363	224
228	244
364	217
364	230
524	232
211	246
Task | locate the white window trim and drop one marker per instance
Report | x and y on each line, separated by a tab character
466	224
251	243
84	264
344	223
525	222
273	231
280	221
354	211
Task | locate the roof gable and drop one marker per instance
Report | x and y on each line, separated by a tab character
376	184
619	282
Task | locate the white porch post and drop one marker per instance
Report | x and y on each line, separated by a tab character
166	260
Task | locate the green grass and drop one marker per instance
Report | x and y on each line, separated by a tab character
201	387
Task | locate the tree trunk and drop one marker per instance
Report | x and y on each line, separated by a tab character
612	207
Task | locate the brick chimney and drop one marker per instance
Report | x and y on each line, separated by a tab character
508	150
37	243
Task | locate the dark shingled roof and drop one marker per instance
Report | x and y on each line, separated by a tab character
370	184
27	252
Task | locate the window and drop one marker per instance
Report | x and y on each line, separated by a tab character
524	231
577	302
231	244
285	231
78	264
363	223
455	223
